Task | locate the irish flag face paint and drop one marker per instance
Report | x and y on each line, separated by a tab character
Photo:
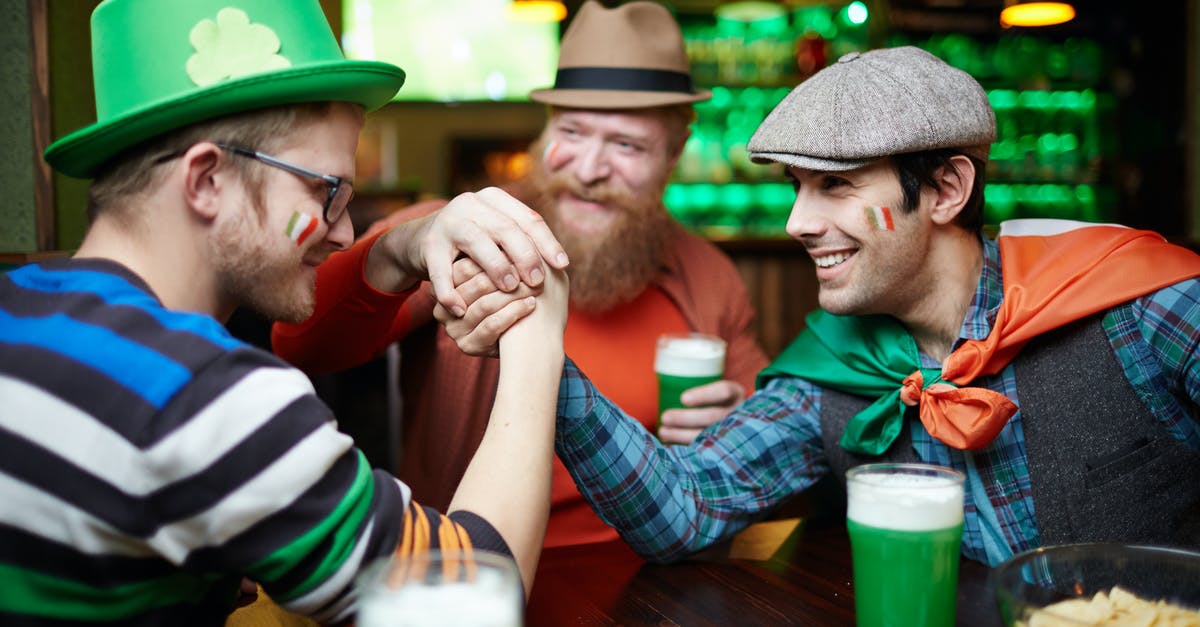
880	218
547	155
300	227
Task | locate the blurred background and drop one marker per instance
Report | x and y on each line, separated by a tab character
1094	115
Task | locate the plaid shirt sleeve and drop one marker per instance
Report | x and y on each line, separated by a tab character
670	501
1169	322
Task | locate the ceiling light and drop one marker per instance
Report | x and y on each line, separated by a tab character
1035	13
537	11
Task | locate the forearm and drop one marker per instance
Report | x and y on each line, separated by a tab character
508	480
669	502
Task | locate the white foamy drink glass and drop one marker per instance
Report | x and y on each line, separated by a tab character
441	589
905	526
684	361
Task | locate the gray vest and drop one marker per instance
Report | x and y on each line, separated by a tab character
1102	467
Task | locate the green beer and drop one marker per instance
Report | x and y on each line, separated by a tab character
914	575
905	527
682	362
671	387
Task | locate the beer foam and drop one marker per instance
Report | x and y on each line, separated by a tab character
448	605
905	502
690	357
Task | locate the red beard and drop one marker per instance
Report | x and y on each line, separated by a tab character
612	268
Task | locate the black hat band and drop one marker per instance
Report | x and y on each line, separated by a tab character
625	79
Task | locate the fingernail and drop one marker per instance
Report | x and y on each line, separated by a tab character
510	282
562	259
536	276
458	311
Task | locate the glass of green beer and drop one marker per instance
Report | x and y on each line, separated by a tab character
684	361
905	525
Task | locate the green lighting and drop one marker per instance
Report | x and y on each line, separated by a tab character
752	97
1085	194
815	19
1002	98
676	198
857	13
1033	99
721	97
737	197
1048	142
1087	99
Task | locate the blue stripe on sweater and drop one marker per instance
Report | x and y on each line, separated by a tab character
123	360
117	291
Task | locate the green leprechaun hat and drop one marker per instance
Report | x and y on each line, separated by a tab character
159	66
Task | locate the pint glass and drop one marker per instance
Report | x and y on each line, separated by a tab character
684	361
441	588
905	525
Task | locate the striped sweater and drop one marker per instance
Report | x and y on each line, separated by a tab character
149	461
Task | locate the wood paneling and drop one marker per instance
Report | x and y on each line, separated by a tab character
39	92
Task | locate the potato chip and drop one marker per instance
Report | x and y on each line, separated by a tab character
1115	608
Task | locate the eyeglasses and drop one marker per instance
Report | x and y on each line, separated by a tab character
340	190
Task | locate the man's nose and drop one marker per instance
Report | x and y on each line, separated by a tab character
341	232
592	163
807	218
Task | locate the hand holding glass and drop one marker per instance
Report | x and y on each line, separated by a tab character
905	526
684	361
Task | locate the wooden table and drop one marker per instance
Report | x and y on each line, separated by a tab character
776	573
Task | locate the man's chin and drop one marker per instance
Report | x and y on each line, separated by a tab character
834	303
296	314
292	307
587	223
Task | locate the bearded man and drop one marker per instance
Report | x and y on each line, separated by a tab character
619	115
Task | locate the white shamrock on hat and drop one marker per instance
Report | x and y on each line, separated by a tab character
230	47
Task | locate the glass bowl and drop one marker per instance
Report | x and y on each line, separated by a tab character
1029	585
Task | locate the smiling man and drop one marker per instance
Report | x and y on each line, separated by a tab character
1055	366
619	115
152	465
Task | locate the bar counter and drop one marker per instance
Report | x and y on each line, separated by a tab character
783	572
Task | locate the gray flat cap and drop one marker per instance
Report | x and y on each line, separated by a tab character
874	104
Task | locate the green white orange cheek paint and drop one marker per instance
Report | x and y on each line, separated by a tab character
880	218
552	157
300	227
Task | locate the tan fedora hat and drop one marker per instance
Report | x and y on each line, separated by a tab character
628	57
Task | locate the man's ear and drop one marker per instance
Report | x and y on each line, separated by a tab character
204	179
955	181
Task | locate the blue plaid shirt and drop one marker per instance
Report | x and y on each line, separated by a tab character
670	501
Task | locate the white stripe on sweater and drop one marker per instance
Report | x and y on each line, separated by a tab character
276	487
222	424
41	514
233	415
